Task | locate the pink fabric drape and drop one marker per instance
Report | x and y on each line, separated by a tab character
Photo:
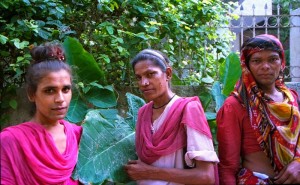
29	155
171	136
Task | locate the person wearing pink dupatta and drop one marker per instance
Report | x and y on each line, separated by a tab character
173	139
43	150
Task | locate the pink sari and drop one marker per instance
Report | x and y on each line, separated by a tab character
29	155
171	136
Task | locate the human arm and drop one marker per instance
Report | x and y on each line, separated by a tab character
289	174
200	152
174	162
201	174
229	138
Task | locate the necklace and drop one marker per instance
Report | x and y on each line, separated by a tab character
163	104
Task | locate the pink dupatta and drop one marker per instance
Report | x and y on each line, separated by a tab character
171	136
29	155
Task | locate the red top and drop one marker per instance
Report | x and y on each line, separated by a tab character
235	137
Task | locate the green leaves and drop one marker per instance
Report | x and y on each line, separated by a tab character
25	23
13	104
77	108
18	44
230	72
192	25
102	97
104	148
88	92
107	143
3	39
134	103
86	68
217	95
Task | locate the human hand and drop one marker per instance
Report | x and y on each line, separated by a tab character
289	175
137	170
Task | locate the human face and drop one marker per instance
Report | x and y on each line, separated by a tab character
52	97
152	81
265	67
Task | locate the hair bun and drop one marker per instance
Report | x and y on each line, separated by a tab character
47	52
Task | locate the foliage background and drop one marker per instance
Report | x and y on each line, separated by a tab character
113	31
100	37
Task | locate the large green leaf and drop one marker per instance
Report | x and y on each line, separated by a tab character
84	64
77	109
230	72
102	97
104	149
107	143
134	103
205	98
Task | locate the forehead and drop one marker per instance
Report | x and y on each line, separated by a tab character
145	66
264	53
57	78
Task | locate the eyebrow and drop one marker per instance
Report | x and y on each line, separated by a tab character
147	71
54	87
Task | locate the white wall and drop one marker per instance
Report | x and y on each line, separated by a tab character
294	45
259	7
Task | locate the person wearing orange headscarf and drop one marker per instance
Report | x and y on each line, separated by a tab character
259	123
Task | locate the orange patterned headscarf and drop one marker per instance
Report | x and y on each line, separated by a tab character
276	124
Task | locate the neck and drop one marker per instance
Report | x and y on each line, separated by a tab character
165	102
274	94
269	90
48	125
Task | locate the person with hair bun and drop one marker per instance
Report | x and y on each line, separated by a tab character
258	127
173	140
43	150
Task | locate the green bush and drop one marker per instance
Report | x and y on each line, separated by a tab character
192	33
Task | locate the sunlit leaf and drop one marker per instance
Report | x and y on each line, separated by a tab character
217	95
110	30
3	39
231	72
13	104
